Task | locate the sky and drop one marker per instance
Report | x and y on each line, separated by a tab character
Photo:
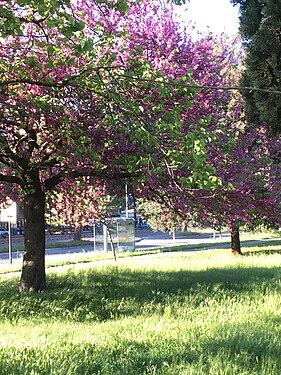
214	15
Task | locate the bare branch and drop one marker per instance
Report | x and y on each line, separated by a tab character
70	82
11	180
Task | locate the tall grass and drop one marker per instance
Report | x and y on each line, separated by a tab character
204	312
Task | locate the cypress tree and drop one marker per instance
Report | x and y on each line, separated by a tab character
260	28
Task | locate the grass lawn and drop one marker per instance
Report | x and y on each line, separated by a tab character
202	312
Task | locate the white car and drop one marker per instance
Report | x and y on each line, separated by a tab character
3	232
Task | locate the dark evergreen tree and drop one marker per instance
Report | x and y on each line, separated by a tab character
260	27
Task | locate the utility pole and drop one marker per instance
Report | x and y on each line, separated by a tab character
127	201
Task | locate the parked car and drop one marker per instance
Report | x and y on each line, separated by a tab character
3	232
17	230
142	225
59	230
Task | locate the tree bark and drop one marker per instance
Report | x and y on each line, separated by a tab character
78	232
235	240
33	277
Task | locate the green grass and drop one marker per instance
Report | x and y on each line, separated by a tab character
100	255
178	313
70	243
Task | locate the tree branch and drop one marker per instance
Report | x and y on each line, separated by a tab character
174	84
105	174
11	180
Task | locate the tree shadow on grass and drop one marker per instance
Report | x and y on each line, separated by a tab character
264	249
229	349
113	292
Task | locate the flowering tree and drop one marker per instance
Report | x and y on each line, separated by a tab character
253	185
183	160
160	217
246	165
82	94
241	163
77	202
91	91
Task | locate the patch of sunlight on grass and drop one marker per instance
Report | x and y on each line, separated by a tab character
203	312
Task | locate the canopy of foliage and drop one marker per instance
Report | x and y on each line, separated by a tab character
260	25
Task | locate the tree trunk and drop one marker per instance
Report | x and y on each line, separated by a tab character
77	232
33	277
174	237
235	240
111	243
